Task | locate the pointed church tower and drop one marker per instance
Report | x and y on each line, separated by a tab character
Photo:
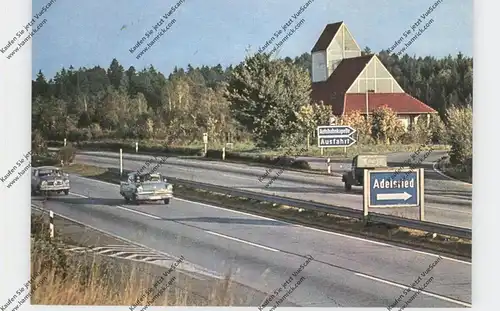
335	44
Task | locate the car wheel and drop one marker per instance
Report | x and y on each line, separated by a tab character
166	201
347	186
134	200
66	192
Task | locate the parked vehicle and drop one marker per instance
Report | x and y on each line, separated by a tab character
47	179
359	163
146	187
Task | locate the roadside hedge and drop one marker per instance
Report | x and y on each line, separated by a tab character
129	147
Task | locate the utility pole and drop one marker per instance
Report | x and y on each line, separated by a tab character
366	94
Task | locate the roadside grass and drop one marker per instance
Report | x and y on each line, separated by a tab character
244	149
60	277
460	172
247	153
398	235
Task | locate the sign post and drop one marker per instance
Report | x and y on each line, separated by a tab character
393	187
205	141
121	162
136	147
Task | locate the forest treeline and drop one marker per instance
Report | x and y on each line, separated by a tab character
262	99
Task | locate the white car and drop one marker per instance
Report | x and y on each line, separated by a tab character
146	187
47	179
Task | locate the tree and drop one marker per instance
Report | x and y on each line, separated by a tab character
386	128
265	94
460	134
116	75
357	121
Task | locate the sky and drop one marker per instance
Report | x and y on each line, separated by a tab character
208	32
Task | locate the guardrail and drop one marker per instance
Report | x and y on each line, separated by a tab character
330	209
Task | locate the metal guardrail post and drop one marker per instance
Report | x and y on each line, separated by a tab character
51	225
422	201
121	162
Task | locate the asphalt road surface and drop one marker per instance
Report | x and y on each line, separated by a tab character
197	283
447	201
263	253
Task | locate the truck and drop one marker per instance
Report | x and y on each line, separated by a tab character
354	177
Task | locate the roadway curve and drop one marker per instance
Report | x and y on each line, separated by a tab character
447	201
263	253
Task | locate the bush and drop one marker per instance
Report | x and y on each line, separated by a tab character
95	130
459	121
357	121
45	249
386	128
67	154
38	143
301	164
438	130
418	133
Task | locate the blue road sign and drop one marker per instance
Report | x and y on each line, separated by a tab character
335	141
390	189
335	130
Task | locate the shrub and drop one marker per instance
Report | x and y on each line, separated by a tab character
301	164
459	121
38	143
96	131
438	130
386	128
67	154
359	123
418	133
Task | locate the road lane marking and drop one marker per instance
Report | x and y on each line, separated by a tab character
241	241
305	227
122	207
463	303
197	268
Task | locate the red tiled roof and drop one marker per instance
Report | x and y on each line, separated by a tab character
401	103
332	90
326	37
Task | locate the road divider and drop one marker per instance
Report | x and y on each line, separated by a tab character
420	234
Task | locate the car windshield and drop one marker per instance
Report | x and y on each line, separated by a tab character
43	173
148	177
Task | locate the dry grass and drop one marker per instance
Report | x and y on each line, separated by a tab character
60	277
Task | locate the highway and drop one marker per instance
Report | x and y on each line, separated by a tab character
447	201
263	253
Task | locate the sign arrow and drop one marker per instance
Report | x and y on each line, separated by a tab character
394	196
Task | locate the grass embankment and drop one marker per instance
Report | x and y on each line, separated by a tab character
460	172
60	277
400	235
246	152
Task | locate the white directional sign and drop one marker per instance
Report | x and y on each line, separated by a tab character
335	136
205	138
